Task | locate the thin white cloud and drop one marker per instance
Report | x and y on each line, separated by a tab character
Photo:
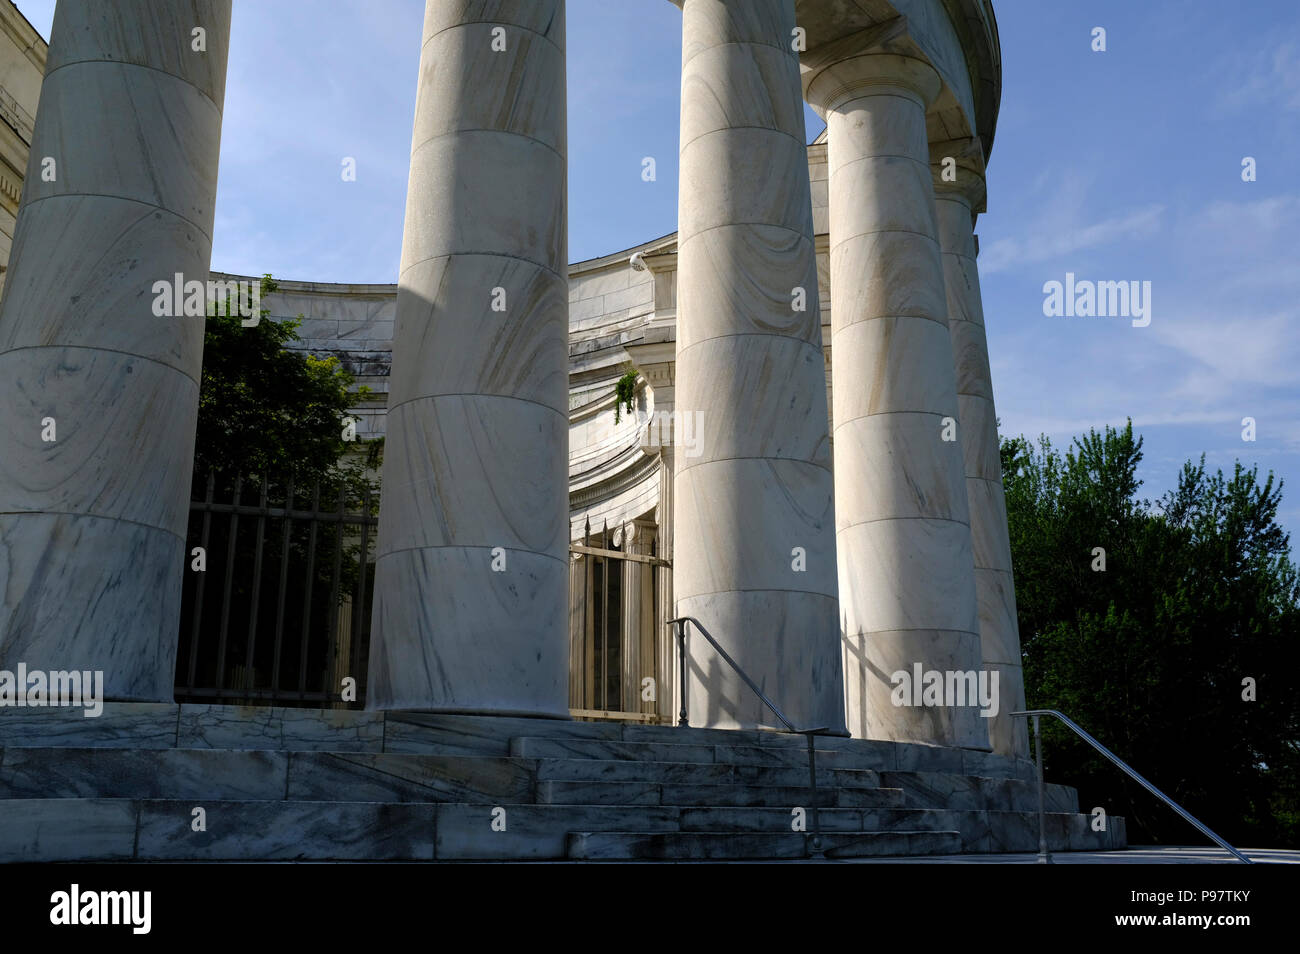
1051	240
1266	77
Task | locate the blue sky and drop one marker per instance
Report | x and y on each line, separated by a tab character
1116	166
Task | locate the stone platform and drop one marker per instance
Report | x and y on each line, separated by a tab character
304	784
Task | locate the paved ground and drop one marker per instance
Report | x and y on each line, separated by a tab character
1133	856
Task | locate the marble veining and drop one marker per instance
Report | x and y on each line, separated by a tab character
93	521
995	592
471	582
754	518
906	571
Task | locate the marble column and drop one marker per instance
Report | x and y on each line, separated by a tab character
907	586
98	394
473	572
994	586
755	546
667	703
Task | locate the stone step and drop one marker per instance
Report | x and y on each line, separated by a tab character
874	754
633	732
261	775
541	748
775	755
977	793
138	725
626	770
732	846
1066	831
357	776
454	734
103	829
535	832
540	831
796	756
446	734
570	792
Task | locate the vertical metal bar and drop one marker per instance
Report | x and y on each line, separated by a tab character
572	634
815	845
652	707
251	645
227	589
604	623
622	623
331	654
359	606
1044	853
311	581
285	540
681	657
588	697
198	593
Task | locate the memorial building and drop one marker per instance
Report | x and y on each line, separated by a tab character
748	472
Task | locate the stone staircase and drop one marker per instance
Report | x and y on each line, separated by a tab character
295	784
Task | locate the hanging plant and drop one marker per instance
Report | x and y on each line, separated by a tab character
625	393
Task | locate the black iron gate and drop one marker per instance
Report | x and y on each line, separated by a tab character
278	585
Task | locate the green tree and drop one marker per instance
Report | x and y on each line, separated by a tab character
271	432
265	408
1198	593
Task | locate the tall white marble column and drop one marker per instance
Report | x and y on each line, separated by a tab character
472	574
98	394
907	586
755	546
956	201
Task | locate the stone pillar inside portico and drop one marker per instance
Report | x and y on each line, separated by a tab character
655	357
637	649
98	393
959	195
754	528
903	528
472	573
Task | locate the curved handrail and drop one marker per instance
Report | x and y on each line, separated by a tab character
815	844
1078	730
741	673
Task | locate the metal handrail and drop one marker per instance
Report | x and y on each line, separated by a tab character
1044	855
815	843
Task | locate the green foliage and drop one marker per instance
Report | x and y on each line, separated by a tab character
267	411
1199	593
625	393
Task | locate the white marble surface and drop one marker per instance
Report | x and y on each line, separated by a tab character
90	394
743	284
475	470
760	489
782	503
994	584
86	592
460	638
906	572
521	352
958	37
92	524
756	401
